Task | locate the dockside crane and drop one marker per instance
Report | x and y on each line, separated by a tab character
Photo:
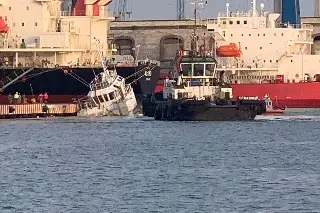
181	14
121	12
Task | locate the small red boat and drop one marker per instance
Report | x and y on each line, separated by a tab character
271	109
230	50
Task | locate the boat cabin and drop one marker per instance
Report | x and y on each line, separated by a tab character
195	76
102	91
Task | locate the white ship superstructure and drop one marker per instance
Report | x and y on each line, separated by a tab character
41	34
269	50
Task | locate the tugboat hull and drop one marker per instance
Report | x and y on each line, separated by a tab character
203	110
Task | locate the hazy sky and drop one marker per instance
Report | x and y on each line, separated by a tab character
166	9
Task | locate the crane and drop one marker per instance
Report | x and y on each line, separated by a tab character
180	9
122	12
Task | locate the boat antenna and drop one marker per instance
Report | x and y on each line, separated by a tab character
194	39
101	57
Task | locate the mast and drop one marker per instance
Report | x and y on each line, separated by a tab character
254	7
101	57
194	38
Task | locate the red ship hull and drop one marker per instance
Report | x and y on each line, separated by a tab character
292	95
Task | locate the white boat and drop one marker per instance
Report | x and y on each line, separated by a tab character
109	95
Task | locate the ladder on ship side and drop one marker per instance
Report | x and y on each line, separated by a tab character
13	77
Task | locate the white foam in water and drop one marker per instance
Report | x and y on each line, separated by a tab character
288	117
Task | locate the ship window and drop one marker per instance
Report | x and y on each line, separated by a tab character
198	70
246	48
270	61
36	24
224	22
277	61
13	24
241	34
249	34
238	22
230	22
27	7
291	60
281	34
106	97
264	61
186	69
260	48
22	24
264	34
258	34
100	99
96	99
111	95
9	8
5	18
245	22
231	35
275	34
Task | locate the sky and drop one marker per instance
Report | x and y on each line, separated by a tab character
166	9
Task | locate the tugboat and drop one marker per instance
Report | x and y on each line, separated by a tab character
109	95
197	94
272	109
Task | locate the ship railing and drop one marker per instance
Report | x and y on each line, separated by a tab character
301	26
73	13
234	14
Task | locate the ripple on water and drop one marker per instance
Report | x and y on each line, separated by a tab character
140	165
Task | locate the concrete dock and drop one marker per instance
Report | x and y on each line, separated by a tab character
37	110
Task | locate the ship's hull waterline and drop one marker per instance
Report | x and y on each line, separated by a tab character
292	95
63	87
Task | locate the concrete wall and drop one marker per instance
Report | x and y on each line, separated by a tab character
151	34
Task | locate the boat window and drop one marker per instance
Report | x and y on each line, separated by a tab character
238	22
186	69
198	70
100	99
95	98
209	69
230	22
245	22
111	95
106	97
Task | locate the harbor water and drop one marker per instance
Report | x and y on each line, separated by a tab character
136	164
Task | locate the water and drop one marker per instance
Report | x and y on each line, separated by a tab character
140	165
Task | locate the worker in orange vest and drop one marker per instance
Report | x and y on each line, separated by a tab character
45	97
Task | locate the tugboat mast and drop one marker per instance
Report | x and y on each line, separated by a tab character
195	39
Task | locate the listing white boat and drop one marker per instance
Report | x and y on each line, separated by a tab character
109	95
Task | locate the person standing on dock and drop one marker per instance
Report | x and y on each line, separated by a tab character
19	98
10	98
24	99
40	98
15	98
45	97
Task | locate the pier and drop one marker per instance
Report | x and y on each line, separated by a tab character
37	110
